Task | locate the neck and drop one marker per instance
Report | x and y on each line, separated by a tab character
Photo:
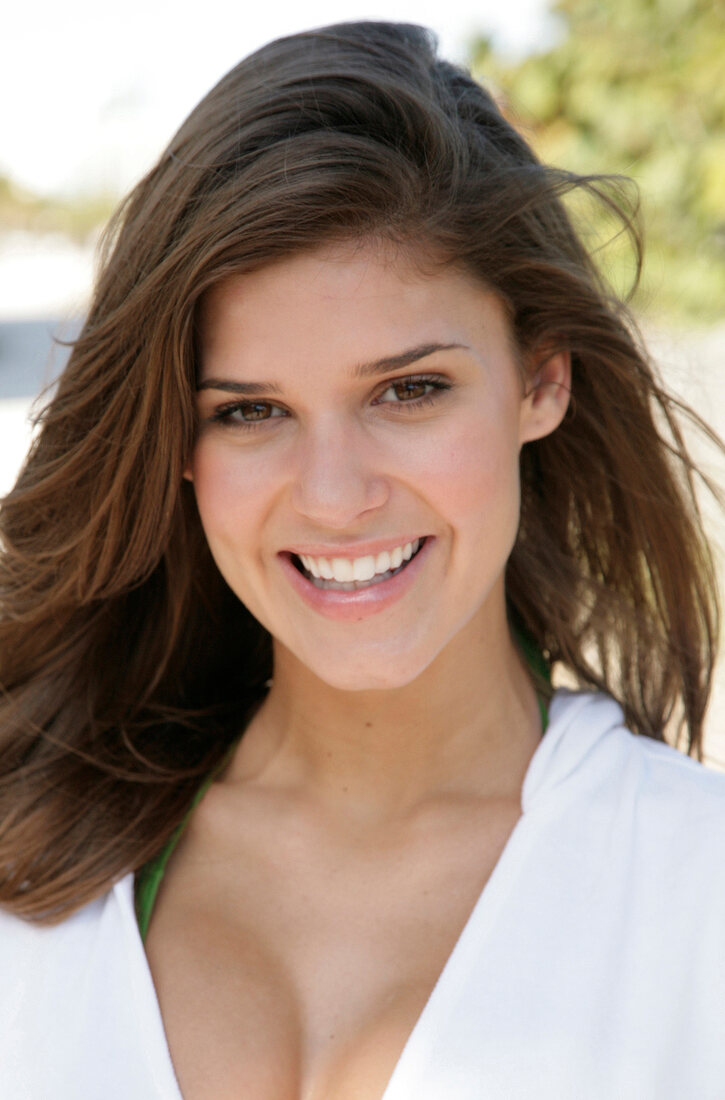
468	725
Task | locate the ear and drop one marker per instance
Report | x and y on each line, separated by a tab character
548	389
187	474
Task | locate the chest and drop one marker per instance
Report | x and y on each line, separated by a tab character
303	975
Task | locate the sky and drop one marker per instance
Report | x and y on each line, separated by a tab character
92	92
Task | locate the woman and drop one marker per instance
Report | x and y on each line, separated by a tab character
313	476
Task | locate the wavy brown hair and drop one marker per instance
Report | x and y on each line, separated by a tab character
127	666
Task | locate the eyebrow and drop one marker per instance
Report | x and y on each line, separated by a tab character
361	370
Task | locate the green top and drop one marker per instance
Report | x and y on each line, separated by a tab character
148	879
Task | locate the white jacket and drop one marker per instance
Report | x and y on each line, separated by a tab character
592	966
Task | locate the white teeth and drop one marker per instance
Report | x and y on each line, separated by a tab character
382	562
352	570
363	568
342	569
325	569
311	565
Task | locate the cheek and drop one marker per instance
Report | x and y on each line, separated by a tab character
470	474
233	497
230	493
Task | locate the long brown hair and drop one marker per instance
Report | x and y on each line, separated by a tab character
126	664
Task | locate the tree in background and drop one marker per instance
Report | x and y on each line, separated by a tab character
637	87
79	218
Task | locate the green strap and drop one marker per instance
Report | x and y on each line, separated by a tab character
148	878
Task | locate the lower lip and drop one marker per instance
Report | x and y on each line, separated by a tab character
361	602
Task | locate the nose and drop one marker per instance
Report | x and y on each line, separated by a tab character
338	476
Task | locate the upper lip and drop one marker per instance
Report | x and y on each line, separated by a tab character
352	550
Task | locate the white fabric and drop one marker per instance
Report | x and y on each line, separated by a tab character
593	965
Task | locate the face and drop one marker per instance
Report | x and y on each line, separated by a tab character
356	465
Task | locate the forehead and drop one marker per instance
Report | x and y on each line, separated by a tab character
342	303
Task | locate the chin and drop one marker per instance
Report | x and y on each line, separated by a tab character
385	674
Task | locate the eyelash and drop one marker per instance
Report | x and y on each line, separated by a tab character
223	415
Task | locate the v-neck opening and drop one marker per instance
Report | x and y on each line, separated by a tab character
408	1070
409	1064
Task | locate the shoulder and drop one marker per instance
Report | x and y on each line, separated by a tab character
633	833
676	780
45	972
62	944
80	992
585	722
665	799
46	965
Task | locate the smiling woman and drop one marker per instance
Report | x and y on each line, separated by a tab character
354	454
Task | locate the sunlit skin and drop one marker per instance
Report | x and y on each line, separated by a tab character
338	460
323	881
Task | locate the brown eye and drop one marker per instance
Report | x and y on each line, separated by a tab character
258	410
245	414
417	390
409	389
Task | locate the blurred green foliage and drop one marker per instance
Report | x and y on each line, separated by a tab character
79	217
636	87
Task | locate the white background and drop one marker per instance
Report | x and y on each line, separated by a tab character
91	92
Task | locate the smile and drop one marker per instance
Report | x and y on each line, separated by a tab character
351	574
389	574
